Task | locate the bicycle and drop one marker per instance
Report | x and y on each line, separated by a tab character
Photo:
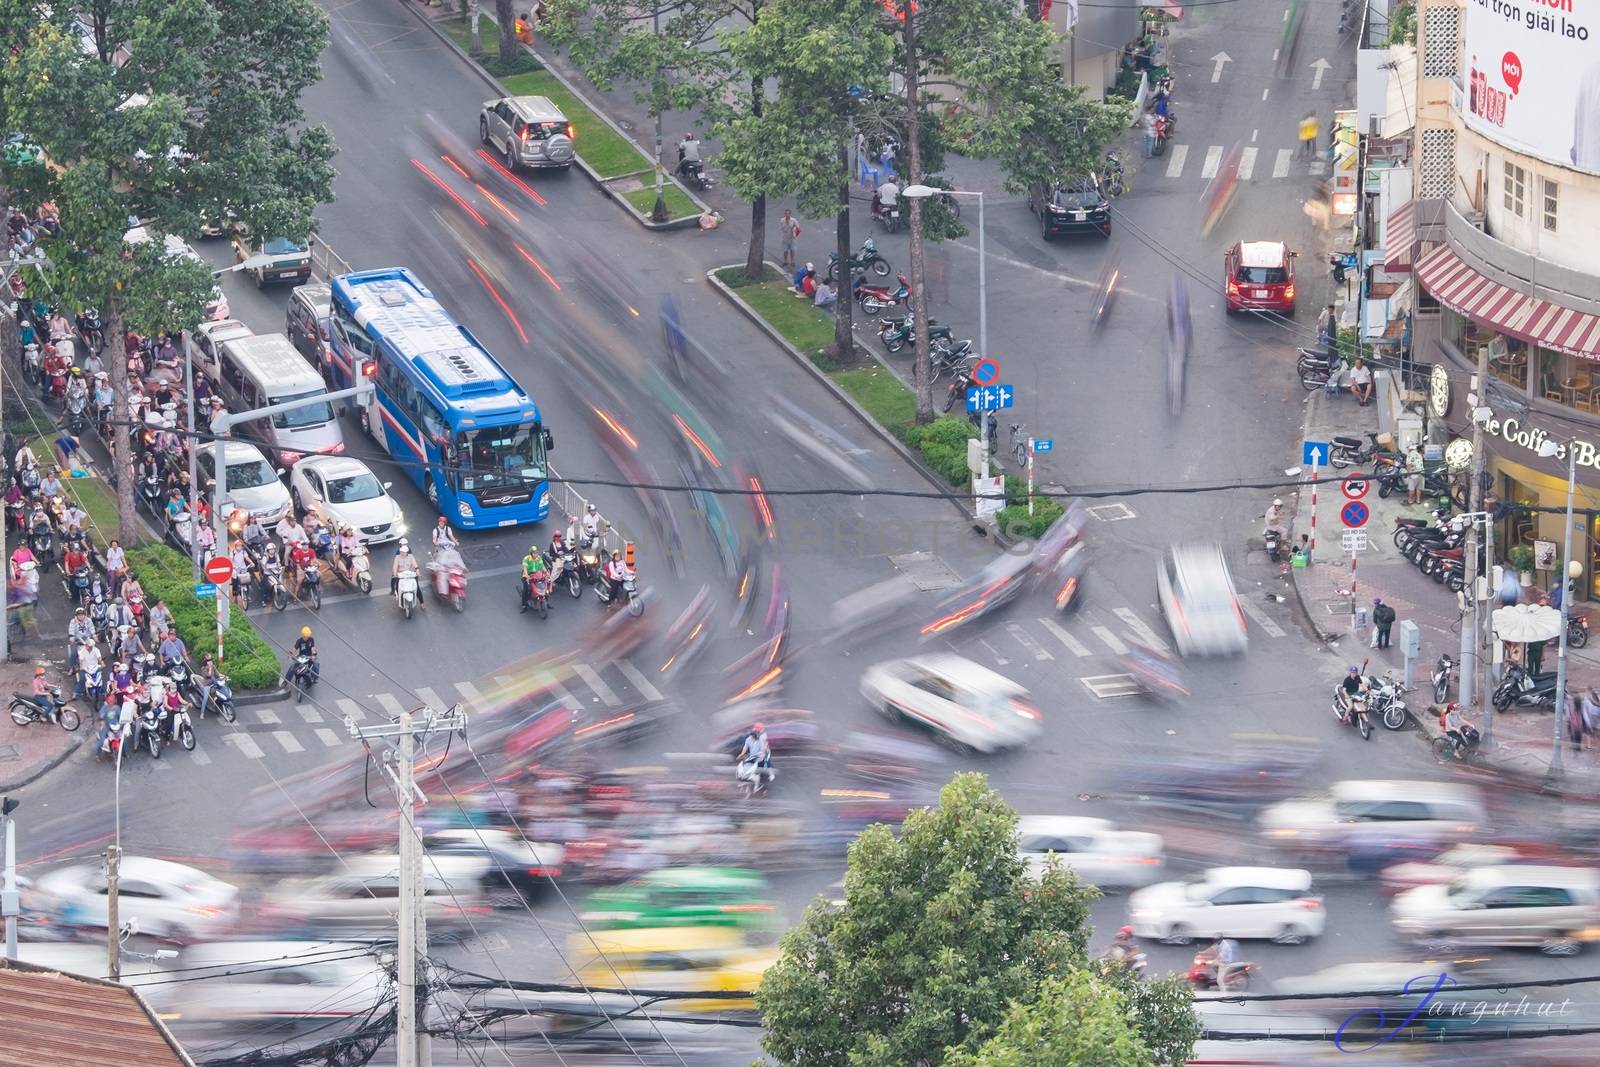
1447	749
1019	444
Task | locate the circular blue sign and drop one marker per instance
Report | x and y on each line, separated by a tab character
1354	514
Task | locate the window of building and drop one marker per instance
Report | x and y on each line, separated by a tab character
1516	186
1441	43
1551	202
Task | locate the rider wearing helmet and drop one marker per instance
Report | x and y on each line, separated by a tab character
591	522
532	569
616	572
558	546
756	747
444	536
306	645
404	563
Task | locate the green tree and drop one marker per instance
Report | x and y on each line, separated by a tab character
1075	1019
940	932
824	56
185	112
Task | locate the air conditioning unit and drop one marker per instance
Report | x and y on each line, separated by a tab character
1475	218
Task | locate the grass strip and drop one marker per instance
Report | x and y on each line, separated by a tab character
248	660
679	206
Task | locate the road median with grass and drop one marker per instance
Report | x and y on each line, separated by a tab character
610	158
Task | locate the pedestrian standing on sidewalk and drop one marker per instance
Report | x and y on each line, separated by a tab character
788	231
1382	619
1308	135
1414	475
1148	125
1535	657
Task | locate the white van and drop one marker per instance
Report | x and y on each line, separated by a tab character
266	369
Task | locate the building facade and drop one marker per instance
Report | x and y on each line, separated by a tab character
1500	241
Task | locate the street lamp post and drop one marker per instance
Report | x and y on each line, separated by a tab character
1571	569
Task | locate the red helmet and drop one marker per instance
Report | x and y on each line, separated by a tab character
759	727
1126	931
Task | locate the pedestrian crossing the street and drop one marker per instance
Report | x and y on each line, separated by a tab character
1084	644
1204	163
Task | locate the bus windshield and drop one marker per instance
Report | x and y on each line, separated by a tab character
501	457
299	418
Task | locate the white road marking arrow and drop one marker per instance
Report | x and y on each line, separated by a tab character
1220	59
1321	67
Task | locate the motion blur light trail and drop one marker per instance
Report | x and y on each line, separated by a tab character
536	265
498	299
512	178
451	193
497	202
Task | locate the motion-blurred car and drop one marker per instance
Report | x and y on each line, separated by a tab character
788	729
1197	597
967	705
1446	867
364	897
708	958
292	986
344	491
1238	902
529	131
515	870
1093	849
285	260
893	758
1359	810
308	324
1556	909
164	899
1001	581
682	896
556	727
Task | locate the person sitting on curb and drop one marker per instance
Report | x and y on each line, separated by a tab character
1361	381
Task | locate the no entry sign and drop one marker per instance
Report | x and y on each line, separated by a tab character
218	570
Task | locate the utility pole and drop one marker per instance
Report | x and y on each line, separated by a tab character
412	1045
10	896
1469	635
113	925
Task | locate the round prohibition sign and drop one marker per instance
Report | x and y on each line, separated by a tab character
986	372
1354	514
1354	486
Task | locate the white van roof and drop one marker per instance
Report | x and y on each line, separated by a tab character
275	359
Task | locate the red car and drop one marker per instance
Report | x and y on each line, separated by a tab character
1260	276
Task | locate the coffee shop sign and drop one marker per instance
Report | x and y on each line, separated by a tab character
1530	437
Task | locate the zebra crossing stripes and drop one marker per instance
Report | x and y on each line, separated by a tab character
308	713
432	699
1260	618
244	743
287	740
1112	641
391	707
1247	163
1208	169
1280	166
592	679
1176	160
1140	630
1026	640
347	707
1073	645
328	737
267	716
1250	156
640	682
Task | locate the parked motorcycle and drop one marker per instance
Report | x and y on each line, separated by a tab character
1274	539
896	333
1344	451
1386	701
52	707
876	299
1525	690
864	260
1577	631
1441	677
1314	368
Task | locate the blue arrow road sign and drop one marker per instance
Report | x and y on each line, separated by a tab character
990	398
1353	514
204	590
1314	453
1044	444
1006	395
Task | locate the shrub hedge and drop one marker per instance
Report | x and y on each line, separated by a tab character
248	661
1015	522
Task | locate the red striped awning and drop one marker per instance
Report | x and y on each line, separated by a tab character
1501	308
1400	239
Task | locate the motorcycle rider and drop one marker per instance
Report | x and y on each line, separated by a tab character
160	619
558	547
689	154
347	546
444	536
172	649
1224	955
1354	685
110	719
404	562
532	569
205	679
1274	520
616	572
290	531
271	570
306	645
301	557
757	747
883	201
591	522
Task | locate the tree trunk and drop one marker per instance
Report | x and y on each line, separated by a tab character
921	376
754	265
507	20
844	346
121	432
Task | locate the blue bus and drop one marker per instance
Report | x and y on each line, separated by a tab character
468	435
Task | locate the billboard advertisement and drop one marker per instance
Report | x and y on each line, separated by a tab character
1533	77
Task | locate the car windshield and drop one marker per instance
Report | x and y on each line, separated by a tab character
279	246
1460	892
250	475
299	418
1195	892
361	486
1077	198
499	458
1263	275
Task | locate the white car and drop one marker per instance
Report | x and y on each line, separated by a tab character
285	260
341	491
1446	867
252	485
1356	811
363	897
163	899
177	248
969	706
1093	849
1198	599
1238	902
1556	909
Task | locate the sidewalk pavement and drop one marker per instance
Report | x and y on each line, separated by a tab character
27	752
1521	738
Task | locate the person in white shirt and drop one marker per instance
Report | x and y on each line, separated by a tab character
1361	381
885	198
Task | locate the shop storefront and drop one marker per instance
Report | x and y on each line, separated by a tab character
1517	474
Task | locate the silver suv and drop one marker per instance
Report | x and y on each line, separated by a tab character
529	131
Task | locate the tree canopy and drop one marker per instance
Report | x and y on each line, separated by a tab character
945	942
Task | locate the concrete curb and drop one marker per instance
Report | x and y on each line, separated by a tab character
44	768
899	446
260	696
603	184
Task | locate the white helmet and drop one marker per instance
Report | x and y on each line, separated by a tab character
405	546
1277	502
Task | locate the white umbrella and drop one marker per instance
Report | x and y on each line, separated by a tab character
1521	623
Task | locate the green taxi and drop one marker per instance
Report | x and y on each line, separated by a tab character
682	896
